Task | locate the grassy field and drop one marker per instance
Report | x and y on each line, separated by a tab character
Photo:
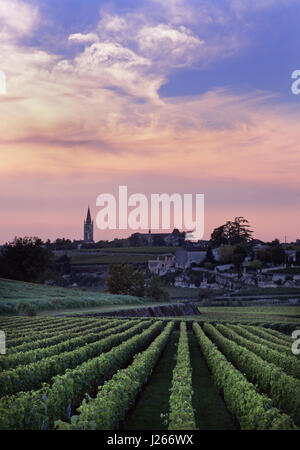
119	255
148	250
110	259
251	314
41	297
255	291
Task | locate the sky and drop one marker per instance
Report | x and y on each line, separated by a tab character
176	96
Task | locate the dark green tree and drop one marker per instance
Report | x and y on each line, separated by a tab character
219	236
232	233
209	255
277	253
123	279
25	259
156	291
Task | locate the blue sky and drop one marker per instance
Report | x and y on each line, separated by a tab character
270	44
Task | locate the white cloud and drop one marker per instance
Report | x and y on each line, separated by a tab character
17	19
110	65
171	46
83	38
114	23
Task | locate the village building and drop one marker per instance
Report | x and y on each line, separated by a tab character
161	265
185	257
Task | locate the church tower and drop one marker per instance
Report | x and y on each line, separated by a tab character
88	228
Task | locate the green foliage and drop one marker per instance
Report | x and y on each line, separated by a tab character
124	279
226	254
237	259
25	259
115	397
34	355
58	336
236	232
283	389
255	264
261	336
26	410
252	410
34	374
155	291
181	415
277	254
25	308
288	363
41	297
56	302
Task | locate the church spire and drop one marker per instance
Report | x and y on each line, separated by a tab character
88	217
88	228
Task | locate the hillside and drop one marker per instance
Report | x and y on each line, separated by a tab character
41	297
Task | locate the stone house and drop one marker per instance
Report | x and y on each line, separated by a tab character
184	257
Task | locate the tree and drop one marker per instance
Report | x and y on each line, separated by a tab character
236	232
277	253
156	291
123	279
255	264
209	255
264	255
158	241
219	236
239	231
63	264
226	254
25	259
237	259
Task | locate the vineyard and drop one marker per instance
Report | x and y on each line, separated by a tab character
95	373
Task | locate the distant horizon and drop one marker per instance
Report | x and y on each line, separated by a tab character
110	235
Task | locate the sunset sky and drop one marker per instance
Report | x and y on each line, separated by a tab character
187	96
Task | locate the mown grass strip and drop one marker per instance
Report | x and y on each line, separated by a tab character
153	404
210	410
